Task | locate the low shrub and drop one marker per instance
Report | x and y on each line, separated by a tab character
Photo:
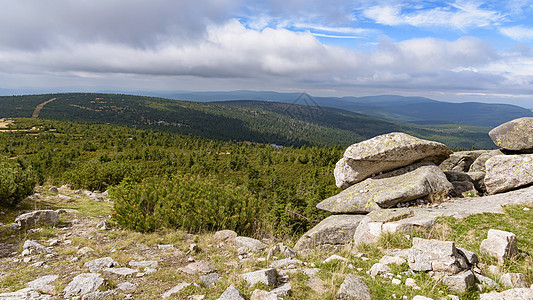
188	202
97	175
16	182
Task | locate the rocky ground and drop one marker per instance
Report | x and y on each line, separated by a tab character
85	256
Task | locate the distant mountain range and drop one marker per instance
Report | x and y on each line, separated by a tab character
417	110
306	122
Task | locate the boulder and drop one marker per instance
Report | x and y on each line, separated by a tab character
231	293
514	280
30	245
500	244
434	255
518	293
353	288
460	161
199	267
42	284
100	264
479	164
225	236
385	153
387	190
333	231
379	268
82	284
460	282
282	290
45	217
266	276
508	172
462	189
515	135
210	279
250	244
121	271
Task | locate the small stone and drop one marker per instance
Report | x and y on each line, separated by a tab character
250	243
353	288
126	286
143	264
379	268
410	282
514	280
396	281
387	260
175	289
265	276
231	293
201	267
334	257
225	236
121	271
500	244
100	263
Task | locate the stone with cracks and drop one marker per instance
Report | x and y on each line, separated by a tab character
266	276
433	255
82	284
460	282
461	161
508	172
385	153
479	164
500	244
175	289
333	231
100	264
42	284
389	189
231	293
46	217
516	135
353	288
250	243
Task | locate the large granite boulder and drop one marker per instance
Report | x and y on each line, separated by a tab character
333	231
507	172
389	189
461	161
479	164
516	135
44	217
385	153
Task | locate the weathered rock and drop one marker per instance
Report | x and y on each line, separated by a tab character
388	190
512	294
34	246
514	280
83	284
385	153
283	290
460	282
263	295
45	217
100	264
231	293
285	263
344	175
334	257
460	161
280	249
199	267
265	276
99	295
210	279
175	289
507	172
379	268
24	294
516	135
353	288
433	255
143	264
486	281
42	284
126	286
250	243
333	231
470	256
387	260
226	236
499	244
121	271
479	164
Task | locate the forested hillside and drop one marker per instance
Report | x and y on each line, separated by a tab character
254	121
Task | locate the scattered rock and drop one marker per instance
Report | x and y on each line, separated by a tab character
24	294
486	281
82	284
34	246
210	279
433	255
143	264
226	236
250	243
507	172
175	289
85	250
516	135
121	271
512	294
514	280
499	244
42	284
353	288
263	295
385	153
199	267
46	217
265	276
387	260
126	286
316	284
460	282
285	263
333	231
283	290
282	250
231	293
379	268
99	264
99	295
470	256
53	189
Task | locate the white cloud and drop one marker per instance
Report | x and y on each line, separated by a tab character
458	15
519	33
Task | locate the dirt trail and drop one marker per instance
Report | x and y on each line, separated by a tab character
37	110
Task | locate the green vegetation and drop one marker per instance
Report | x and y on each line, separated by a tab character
253	121
192	203
16	182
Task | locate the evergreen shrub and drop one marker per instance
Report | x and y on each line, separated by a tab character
16	182
188	202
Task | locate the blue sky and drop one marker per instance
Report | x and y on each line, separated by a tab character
449	50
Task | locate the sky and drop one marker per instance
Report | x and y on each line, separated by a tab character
455	51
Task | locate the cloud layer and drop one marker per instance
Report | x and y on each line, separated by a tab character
290	44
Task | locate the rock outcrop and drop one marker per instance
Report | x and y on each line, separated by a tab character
507	172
